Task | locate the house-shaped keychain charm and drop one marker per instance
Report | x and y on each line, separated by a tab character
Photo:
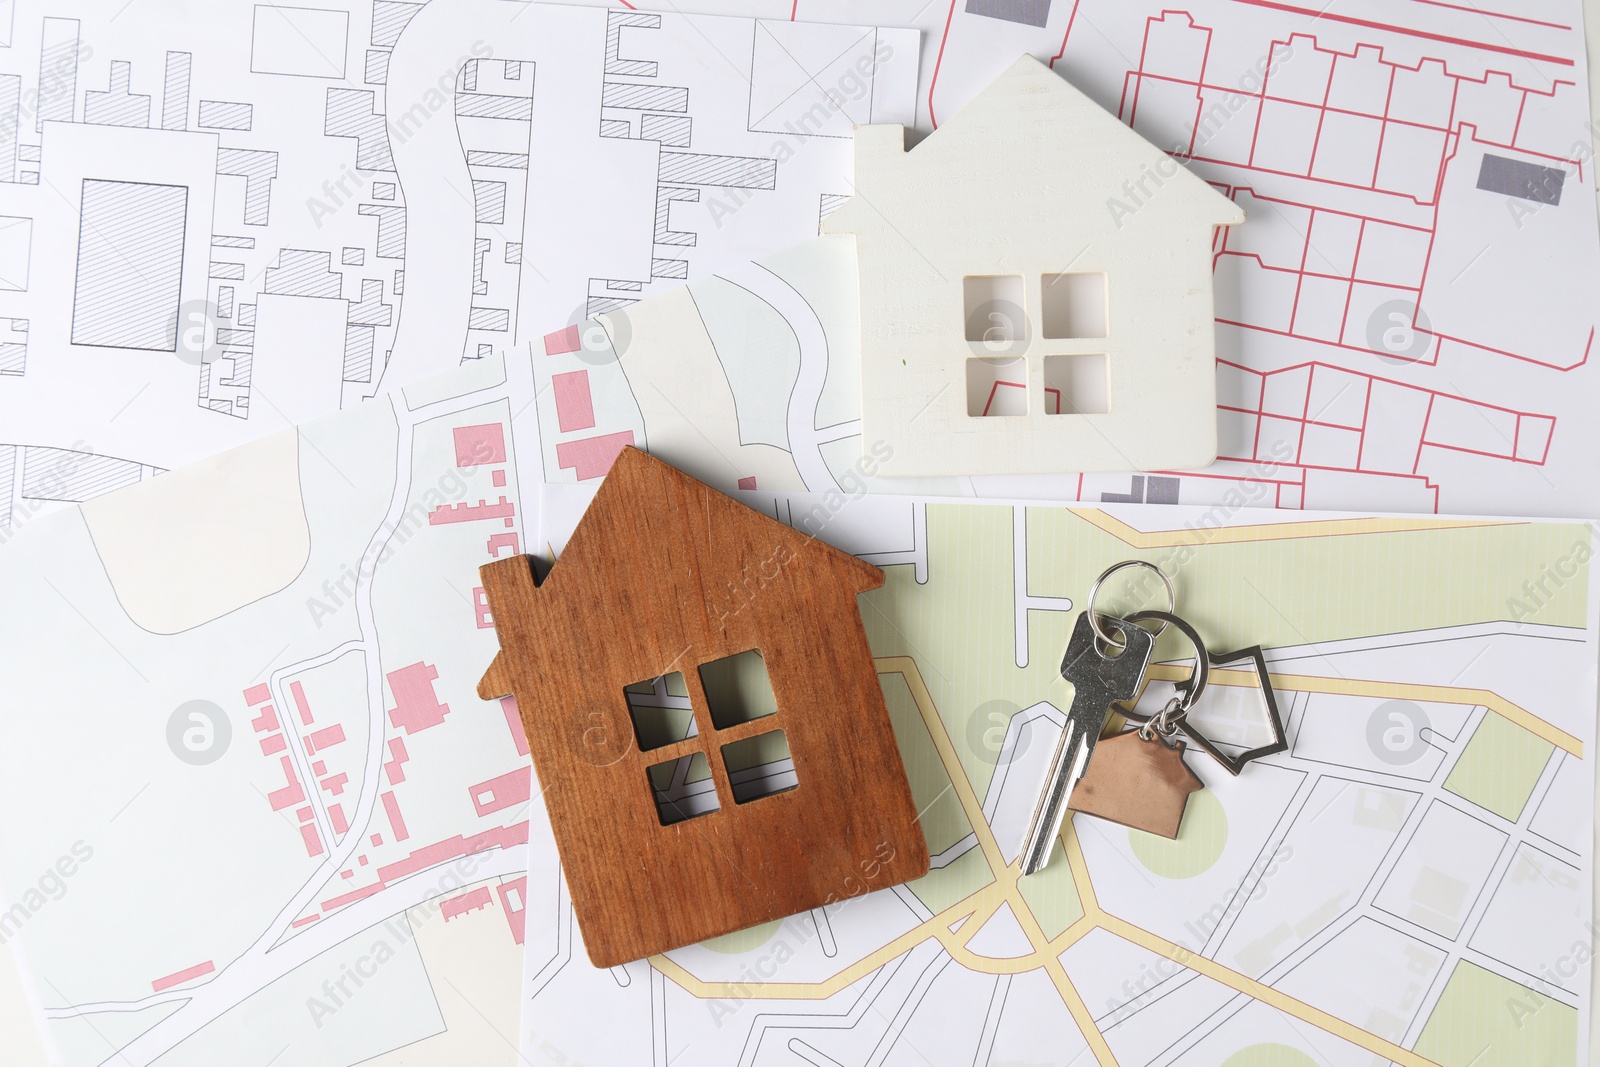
1035	290
671	833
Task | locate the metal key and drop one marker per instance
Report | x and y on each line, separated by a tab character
1097	678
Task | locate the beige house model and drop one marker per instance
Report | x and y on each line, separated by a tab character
1035	290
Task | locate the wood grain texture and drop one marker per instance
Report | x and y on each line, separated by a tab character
1143	785
664	574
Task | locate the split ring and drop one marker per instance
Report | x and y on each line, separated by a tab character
1114	640
1195	684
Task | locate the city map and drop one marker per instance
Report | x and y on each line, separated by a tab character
221	222
279	815
1408	173
211	221
297	830
1408	883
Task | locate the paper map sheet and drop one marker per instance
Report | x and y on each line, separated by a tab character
277	817
1404	320
221	220
268	820
1408	883
268	126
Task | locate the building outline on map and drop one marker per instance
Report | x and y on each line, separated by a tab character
794	982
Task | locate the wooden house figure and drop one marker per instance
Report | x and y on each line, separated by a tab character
665	577
1035	290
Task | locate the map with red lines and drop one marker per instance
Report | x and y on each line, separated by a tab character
1403	321
1397	322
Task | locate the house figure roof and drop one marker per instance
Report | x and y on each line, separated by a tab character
1036	292
1076	150
666	577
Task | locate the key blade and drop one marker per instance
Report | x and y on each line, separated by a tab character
1097	678
1080	757
1070	759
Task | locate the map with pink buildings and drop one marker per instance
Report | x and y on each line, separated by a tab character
360	892
328	862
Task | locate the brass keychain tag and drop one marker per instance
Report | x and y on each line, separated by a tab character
1137	779
1141	784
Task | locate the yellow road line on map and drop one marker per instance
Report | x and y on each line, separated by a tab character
1268	531
826	988
906	667
1112	924
973	910
1074	933
1005	875
1263	992
994	894
1439	694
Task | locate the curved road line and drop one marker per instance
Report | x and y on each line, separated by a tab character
1047	951
805	441
266	961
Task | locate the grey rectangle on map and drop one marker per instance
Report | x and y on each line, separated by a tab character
740	172
512	160
1025	12
671	130
644	97
489	319
60	474
1515	177
490	200
130	265
1161	490
224	115
491	106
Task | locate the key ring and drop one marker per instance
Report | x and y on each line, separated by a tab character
1166	720
1114	640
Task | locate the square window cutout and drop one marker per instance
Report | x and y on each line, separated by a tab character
995	308
759	766
1076	385
738	689
1073	305
997	386
660	711
683	788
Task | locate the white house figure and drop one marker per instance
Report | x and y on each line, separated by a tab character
1035	290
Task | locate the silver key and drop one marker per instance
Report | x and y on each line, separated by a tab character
1097	679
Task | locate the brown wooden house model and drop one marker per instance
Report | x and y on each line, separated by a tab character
669	832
